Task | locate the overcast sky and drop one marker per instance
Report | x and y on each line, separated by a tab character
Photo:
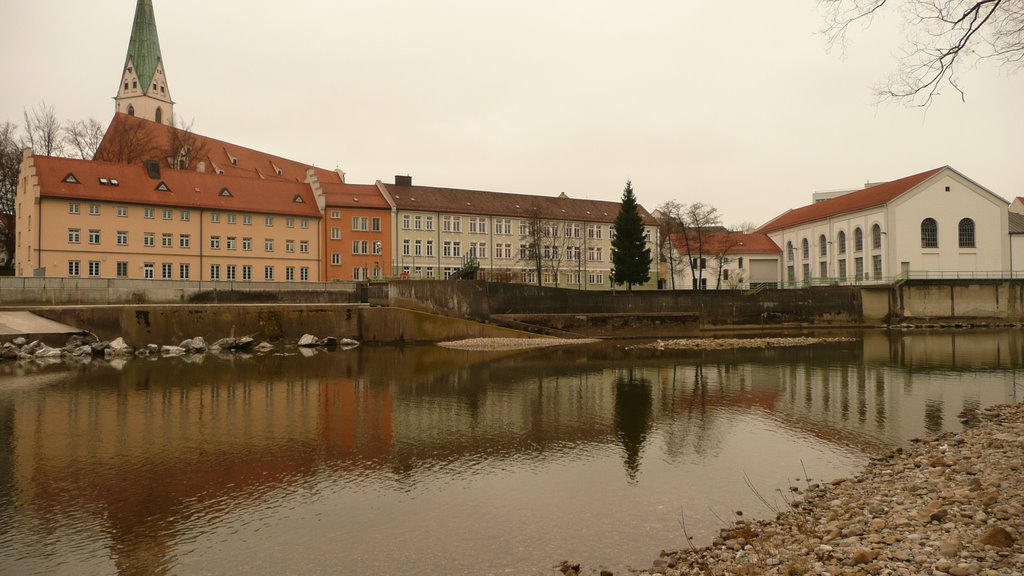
737	103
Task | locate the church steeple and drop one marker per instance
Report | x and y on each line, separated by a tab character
143	91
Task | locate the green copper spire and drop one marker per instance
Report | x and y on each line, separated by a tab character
144	46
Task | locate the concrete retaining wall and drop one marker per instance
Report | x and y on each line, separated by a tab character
982	300
96	291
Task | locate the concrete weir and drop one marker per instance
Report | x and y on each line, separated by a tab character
14	323
160	324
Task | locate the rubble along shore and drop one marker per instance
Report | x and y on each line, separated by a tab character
951	505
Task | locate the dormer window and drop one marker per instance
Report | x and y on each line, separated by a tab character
234	161
226	192
298	199
70	179
114	182
104	182
162	187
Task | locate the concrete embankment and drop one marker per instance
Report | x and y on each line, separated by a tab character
949	505
144	324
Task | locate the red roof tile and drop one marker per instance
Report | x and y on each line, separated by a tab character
731	243
187	189
354	195
456	201
218	154
877	195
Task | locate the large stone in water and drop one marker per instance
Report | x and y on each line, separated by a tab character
308	340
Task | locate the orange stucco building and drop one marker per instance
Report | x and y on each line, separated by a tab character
357	232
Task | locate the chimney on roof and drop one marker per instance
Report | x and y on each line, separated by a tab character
403	180
152	168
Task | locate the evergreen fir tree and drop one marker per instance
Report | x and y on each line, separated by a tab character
631	258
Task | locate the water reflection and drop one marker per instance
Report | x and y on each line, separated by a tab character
176	467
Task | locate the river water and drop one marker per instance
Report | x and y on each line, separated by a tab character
423	460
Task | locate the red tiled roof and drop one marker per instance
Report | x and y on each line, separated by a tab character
877	195
217	153
354	196
453	200
187	189
731	243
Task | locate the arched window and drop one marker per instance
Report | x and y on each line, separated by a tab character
966	230
790	253
131	110
159	115
841	241
805	249
822	246
929	233
858	239
876	237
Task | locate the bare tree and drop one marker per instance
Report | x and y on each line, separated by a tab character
698	220
942	37
10	162
721	249
186	149
83	137
128	142
670	216
43	132
531	243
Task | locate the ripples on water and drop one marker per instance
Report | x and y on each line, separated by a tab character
422	460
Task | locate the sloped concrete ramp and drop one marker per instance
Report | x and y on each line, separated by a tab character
19	323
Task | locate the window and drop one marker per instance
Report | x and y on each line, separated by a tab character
214	217
822	246
214	271
74	235
430	247
147	213
246	220
232	242
289	273
148	239
842	270
823	269
418	248
335	214
363	247
268	272
790	274
148	270
185	215
876	237
335	258
268	245
430	222
94	209
232	218
595	253
166	240
451	224
289	246
335	233
790	251
418	222
215	242
165	270
503	226
858	266
596	278
74	208
841	242
405	247
446	248
304	246
231	270
289	222
247	272
876	266
168	214
122	212
572	253
360	223
184	271
268	221
246	244
740	263
94	269
74	268
94	236
966	233
929	233
122	269
374	224
406	220
304	274
806	271
122	238
805	249
858	240
185	241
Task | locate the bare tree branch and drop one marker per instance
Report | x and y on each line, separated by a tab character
42	131
83	137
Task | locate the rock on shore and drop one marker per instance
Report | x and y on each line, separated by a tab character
949	505
728	343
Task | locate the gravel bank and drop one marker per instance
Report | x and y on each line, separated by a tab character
949	505
512	343
728	343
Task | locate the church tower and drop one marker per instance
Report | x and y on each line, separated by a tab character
143	91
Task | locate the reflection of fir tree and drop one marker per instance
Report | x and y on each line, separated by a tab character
633	412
